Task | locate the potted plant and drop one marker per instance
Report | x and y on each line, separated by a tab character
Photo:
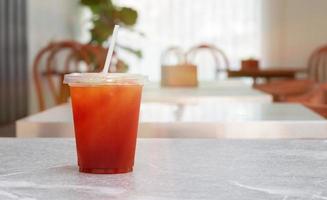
104	17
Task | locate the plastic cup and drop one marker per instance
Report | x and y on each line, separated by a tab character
106	113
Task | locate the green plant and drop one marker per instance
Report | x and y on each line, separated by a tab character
104	17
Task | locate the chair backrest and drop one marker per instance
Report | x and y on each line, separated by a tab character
58	58
220	58
172	52
315	99
317	65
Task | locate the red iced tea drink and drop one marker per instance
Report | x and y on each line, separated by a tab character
106	120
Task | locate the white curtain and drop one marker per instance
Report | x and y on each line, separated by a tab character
234	26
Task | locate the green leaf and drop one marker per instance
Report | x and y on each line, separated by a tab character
100	32
95	9
91	2
109	3
136	52
97	6
128	16
104	16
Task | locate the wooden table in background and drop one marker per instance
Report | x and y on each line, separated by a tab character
288	73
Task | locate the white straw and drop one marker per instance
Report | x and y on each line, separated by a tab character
111	50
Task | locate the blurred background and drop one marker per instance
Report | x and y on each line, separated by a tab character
42	40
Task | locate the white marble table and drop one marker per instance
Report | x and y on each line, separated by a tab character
170	169
196	120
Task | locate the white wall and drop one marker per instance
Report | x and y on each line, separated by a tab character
272	32
292	29
305	29
49	20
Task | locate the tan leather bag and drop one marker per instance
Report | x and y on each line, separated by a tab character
182	74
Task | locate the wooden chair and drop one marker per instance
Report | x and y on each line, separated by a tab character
321	109
220	58
306	92
48	71
280	90
317	65
312	92
315	99
317	73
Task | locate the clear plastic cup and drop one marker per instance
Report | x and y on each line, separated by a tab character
106	113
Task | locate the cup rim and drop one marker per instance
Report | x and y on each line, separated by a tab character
105	79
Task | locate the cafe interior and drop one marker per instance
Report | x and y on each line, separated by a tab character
233	104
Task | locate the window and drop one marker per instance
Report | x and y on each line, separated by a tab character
231	25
